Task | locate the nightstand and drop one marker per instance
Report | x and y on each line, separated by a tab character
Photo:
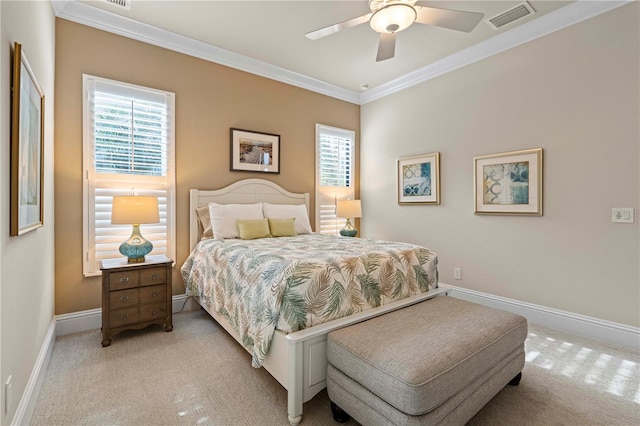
135	295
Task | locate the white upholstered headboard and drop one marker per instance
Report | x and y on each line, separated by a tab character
242	192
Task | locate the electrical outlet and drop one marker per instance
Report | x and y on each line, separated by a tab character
622	214
457	273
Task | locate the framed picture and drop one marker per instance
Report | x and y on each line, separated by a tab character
27	147
419	179
509	183
255	151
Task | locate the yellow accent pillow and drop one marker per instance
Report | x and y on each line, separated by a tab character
282	227
250	229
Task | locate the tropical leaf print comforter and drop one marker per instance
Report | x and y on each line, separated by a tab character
291	283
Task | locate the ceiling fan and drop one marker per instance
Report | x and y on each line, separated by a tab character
389	17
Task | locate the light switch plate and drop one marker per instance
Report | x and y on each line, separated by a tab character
622	214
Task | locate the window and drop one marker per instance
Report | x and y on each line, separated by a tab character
128	148
334	175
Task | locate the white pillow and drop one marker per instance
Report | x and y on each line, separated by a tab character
224	218
287	211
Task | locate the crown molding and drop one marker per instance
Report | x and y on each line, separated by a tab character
566	16
571	14
126	27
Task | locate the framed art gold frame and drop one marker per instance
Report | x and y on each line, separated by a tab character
509	183
27	147
255	151
419	179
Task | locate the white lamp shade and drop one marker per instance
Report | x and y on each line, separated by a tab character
134	209
349	208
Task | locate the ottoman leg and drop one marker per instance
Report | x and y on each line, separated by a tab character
516	380
339	415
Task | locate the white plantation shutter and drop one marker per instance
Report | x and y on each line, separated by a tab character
128	145
334	175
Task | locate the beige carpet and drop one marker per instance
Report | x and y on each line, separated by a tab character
198	375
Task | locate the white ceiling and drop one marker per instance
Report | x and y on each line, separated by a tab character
267	37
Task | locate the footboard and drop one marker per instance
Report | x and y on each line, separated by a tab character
291	360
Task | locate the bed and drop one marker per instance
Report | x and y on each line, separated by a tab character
294	353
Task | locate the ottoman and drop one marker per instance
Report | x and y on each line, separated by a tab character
436	362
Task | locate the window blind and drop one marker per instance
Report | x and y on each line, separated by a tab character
334	175
130	135
129	149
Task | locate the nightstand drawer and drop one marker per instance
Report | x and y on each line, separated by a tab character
153	294
123	298
153	311
123	317
122	280
153	276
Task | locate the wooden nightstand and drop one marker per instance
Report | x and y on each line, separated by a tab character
135	295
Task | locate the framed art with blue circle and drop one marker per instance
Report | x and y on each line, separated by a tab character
419	179
509	183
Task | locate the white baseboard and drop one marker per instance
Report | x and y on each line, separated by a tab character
593	328
27	403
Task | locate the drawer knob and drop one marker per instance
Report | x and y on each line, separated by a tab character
154	294
123	317
154	313
154	277
124	279
124	298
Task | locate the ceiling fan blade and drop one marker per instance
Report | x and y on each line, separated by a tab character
459	20
332	29
386	47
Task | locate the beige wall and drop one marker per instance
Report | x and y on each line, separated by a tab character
210	99
27	261
574	93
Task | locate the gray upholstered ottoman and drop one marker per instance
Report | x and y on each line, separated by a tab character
437	362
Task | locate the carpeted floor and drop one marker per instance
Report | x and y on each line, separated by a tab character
198	375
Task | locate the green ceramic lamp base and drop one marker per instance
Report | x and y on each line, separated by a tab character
348	230
136	247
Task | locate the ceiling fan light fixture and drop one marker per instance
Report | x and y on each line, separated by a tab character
393	18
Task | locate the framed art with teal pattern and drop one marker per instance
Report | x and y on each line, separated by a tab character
509	183
419	179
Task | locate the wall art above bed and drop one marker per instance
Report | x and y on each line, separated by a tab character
255	151
509	183
419	179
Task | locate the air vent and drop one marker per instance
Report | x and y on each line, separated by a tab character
126	4
511	15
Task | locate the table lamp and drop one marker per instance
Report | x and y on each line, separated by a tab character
135	210
349	209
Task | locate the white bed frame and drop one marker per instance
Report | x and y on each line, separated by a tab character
297	360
